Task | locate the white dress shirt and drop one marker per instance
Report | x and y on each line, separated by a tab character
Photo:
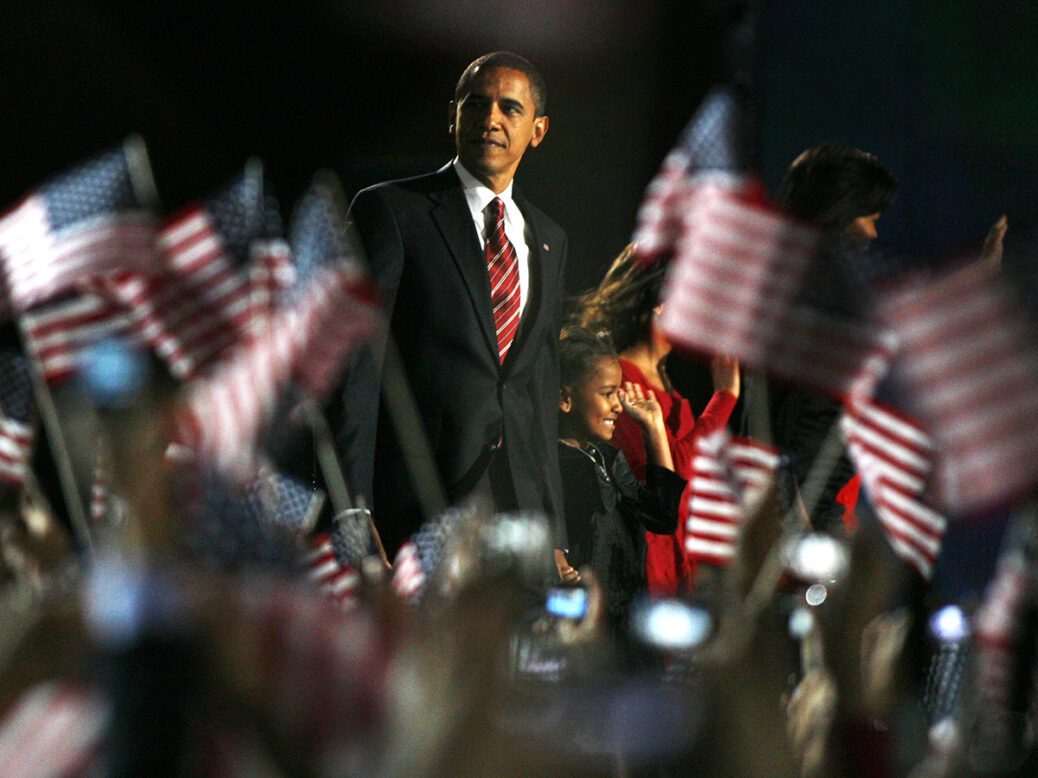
478	195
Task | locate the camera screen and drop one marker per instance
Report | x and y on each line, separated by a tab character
567	602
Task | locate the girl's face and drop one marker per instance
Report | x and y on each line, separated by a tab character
590	410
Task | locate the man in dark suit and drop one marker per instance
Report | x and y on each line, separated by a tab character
471	279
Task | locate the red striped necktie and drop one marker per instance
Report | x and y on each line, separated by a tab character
503	269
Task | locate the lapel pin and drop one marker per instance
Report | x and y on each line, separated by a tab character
546	247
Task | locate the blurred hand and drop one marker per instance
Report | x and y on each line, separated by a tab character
725	372
572	631
567	573
882	647
811	710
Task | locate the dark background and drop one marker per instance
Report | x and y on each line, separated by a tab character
943	91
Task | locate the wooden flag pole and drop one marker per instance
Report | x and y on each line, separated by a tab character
141	177
401	405
55	436
771	570
826	460
334	479
410	432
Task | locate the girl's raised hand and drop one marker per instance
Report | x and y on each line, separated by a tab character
642	406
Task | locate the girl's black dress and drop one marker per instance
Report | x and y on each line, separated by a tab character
607	513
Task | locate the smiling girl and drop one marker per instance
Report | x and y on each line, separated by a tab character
607	508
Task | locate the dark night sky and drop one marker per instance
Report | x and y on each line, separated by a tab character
940	90
361	88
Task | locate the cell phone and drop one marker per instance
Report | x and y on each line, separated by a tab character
567	602
670	624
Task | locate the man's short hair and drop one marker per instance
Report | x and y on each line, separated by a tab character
831	185
506	59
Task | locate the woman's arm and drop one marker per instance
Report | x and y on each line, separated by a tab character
727	386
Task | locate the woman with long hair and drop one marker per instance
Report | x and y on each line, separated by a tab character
626	304
842	191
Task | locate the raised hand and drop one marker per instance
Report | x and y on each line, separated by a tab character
725	372
645	409
642	406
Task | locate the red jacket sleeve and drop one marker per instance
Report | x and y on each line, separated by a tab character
714	417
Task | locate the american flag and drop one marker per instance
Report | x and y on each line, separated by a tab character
84	224
710	157
272	268
727	473
745	283
249	524
200	303
317	230
335	558
418	558
742	274
968	363
53	729
272	274
306	347
16	411
894	456
279	499
60	331
337	578
1002	624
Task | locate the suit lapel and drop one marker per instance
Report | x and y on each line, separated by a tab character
454	221
539	260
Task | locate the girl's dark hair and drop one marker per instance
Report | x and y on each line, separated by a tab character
831	185
580	349
623	302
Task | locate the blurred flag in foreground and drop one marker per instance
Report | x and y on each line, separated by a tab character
1005	634
894	456
16	410
335	577
711	155
727	473
84	224
745	280
197	305
419	557
305	349
968	363
317	228
750	283
61	331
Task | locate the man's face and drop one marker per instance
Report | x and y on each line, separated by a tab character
494	123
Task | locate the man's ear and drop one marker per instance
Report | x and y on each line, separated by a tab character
452	117
540	129
565	399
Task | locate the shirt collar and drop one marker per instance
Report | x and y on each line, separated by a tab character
479	194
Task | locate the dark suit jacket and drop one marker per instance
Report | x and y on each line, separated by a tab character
427	261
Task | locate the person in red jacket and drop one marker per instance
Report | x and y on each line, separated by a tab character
626	304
